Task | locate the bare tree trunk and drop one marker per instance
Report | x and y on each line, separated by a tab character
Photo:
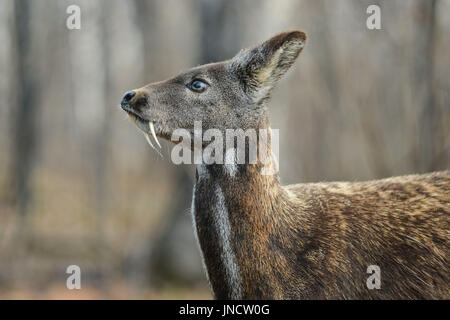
174	254
326	61
24	115
328	74
220	32
24	128
212	14
425	20
145	12
101	144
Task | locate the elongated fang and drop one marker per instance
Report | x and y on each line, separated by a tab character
152	130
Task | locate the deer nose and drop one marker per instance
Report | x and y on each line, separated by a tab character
127	97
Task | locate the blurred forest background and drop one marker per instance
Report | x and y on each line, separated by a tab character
78	183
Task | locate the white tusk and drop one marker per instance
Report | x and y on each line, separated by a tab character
152	129
147	137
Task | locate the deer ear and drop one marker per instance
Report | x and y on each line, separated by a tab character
259	68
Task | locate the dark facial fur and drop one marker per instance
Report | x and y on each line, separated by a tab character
262	240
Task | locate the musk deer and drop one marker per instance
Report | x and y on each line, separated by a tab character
262	240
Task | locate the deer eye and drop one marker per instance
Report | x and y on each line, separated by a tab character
198	86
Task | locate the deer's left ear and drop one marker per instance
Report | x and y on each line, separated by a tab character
261	67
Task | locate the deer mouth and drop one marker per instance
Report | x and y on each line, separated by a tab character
145	125
133	114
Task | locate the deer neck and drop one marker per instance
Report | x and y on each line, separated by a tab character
232	204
